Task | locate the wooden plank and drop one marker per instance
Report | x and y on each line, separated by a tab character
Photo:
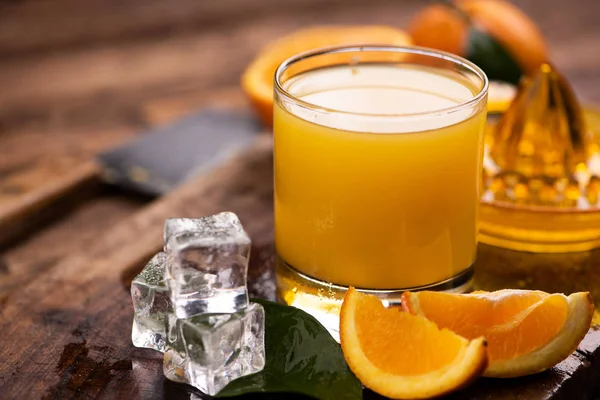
121	75
169	108
130	73
61	337
82	304
66	330
84	224
498	268
142	67
19	149
43	192
577	377
35	191
28	26
45	174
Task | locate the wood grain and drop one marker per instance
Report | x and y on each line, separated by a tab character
79	228
161	65
39	187
576	377
79	78
67	329
79	85
40	183
99	21
82	304
40	193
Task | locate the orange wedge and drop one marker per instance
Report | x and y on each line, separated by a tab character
500	95
527	331
257	79
401	356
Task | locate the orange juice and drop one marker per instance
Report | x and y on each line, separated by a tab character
383	192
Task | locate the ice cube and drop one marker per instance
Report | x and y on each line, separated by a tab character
177	226
207	264
151	303
210	350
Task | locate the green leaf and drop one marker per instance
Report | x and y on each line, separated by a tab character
489	55
301	357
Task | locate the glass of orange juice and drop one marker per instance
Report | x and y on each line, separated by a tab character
378	157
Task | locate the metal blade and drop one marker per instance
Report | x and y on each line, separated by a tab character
167	156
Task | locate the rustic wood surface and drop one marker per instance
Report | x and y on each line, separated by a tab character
77	78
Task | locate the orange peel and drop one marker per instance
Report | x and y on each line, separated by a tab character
527	331
399	355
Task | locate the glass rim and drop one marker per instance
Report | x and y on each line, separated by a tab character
423	51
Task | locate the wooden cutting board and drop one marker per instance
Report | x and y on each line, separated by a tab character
66	332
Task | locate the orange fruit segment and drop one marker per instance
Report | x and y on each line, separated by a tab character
257	79
399	355
527	331
500	95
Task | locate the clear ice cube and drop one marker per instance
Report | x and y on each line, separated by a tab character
177	226
207	264
210	350
151	304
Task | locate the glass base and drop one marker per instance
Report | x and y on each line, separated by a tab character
323	300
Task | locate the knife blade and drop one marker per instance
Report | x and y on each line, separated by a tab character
154	163
167	156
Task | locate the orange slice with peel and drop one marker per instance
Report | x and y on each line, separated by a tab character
399	355
527	331
257	79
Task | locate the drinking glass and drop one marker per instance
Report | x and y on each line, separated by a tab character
377	160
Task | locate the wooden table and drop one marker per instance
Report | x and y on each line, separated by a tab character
80	77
